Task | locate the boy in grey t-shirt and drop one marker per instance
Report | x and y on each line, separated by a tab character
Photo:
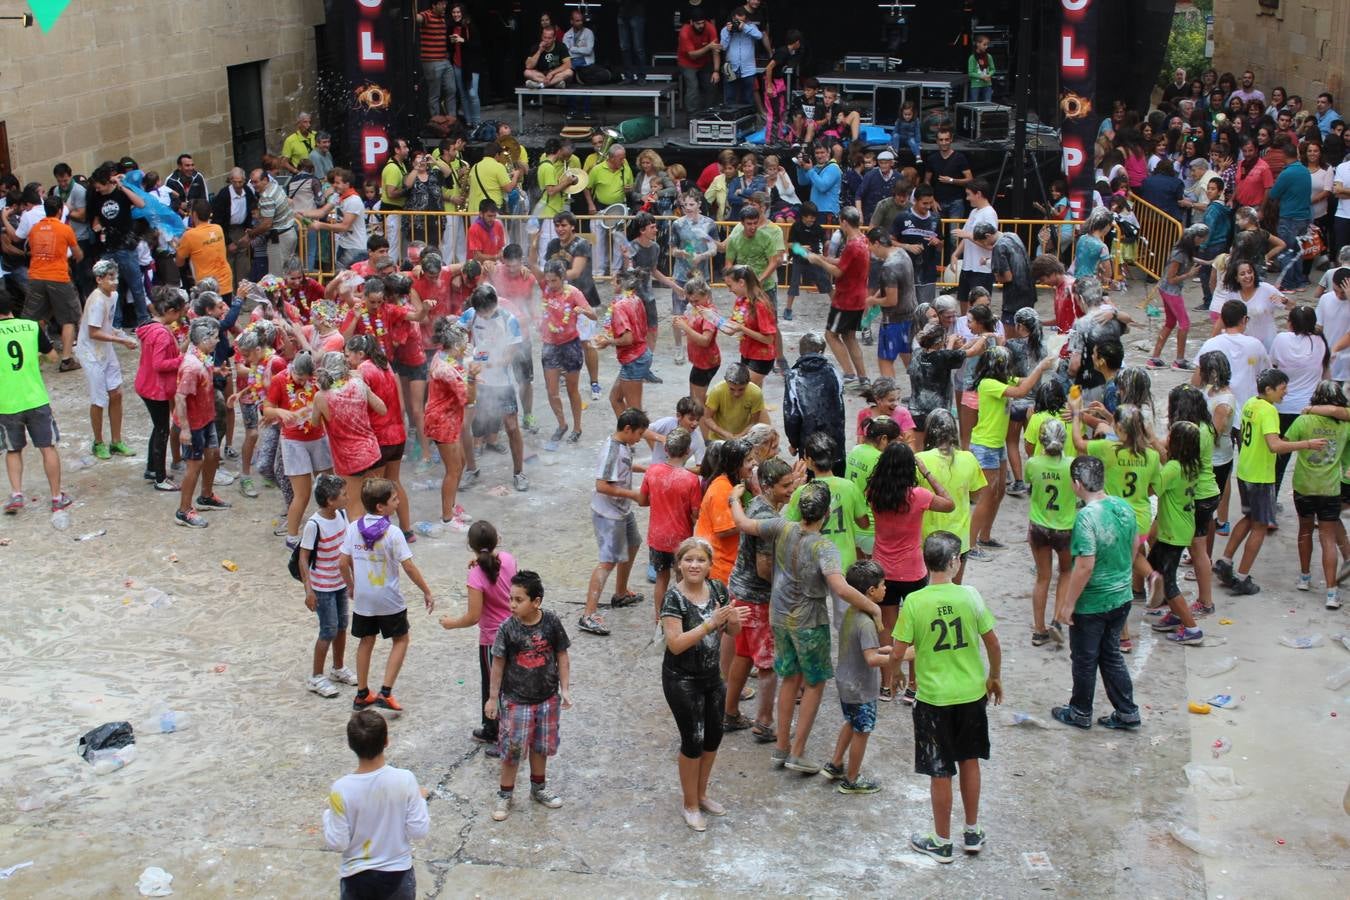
615	523
858	680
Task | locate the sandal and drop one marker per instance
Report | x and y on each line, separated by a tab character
738	722
748	693
619	601
763	734
1039	638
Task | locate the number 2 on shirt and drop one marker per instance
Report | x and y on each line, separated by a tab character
944	627
837	527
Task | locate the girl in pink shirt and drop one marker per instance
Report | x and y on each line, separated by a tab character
157	377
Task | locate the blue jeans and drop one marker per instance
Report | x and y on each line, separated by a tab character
739	92
472	112
981	94
438	77
129	274
1094	645
633	46
953	210
1289	260
348	258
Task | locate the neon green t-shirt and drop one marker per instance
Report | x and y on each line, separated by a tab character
1317	473
944	623
1256	461
1206	486
858	467
548	176
1033	433
1129	477
847	505
1176	505
960	474
992	428
1053	504
21	384
391	176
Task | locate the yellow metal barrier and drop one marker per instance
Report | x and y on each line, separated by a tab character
1158	234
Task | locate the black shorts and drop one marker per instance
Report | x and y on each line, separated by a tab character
1165	558
968	280
947	735
1204	514
568	357
1223	470
702	377
37	423
1325	509
661	560
392	452
410	373
523	365
388	626
1258	501
897	591
1039	537
652	315
758	366
1345	493
843	321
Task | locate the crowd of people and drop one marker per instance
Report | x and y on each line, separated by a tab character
801	551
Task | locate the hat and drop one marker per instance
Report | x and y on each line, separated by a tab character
885	154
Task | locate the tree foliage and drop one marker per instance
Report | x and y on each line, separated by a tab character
1186	43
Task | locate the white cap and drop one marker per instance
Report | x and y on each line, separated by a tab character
885	154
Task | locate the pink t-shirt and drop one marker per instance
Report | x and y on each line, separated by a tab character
898	548
496	597
899	414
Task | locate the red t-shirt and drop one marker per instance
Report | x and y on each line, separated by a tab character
284	393
409	348
691	40
385	323
898	548
515	293
850	288
1067	310
709	357
757	317
388	428
302	297
194	383
710	171
559	323
628	314
674	495
480	241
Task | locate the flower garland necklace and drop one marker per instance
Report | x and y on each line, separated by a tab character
205	359
299	399
378	330
551	302
256	374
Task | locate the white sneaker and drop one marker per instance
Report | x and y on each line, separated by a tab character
319	684
1304	583
501	808
223	478
343	675
1333	599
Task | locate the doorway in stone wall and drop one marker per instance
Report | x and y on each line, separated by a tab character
5	167
247	127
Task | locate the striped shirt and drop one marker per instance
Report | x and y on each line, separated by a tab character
327	535
431	36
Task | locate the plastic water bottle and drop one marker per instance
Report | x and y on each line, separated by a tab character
1022	718
428	529
60	520
108	761
166	722
1301	641
1338	680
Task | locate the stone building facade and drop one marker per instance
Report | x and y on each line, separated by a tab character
151	79
1301	44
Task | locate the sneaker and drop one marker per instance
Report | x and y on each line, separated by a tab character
802	764
493	447
593	624
867	338
929	845
168	486
1223	529
1157	613
534	84
179	466
1018	489
1040	638
712	807
778	758
1126	645
1168	622
1184	365
972	839
61	501
787	314
229	452
520	481
540	794
860	786
483	737
13	504
320	685
68	365
1223	570
460	522
885	695
1154	362
559	433
342	675
695	820
223	478
1114	721
211	502
993	544
979	555
361	701
1333	599
246	487
530	423
502	807
1190	636
149	476
387	701
120	448
101	450
909	696
679	357
574	437
738	722
595	392
1245	587
833	772
1200	610
190	519
1304	583
1069	717
468	478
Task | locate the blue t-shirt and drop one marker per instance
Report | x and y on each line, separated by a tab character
1293	191
1091	251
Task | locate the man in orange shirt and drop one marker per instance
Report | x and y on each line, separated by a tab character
205	246
51	295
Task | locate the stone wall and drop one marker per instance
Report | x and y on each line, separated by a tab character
1304	45
148	78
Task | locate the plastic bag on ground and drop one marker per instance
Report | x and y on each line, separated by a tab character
155	882
1301	641
1189	837
1214	782
108	736
1212	668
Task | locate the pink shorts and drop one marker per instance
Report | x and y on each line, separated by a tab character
1174	311
755	639
970	399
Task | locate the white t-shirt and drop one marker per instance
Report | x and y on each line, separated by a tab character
1342	177
1333	314
373	817
1300	357
664	427
496	340
355	239
1321	181
1246	357
1261	313
375	572
98	313
975	258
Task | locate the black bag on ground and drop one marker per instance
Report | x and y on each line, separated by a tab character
594	76
108	736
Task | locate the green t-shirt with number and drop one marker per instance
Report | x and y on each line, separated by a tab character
1206	486
847	505
1176	505
1033	433
858	467
1129	477
1256	461
1053	504
1105	530
992	428
960	476
1317	473
944	623
21	384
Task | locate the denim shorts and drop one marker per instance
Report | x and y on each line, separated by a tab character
989	457
861	717
638	369
331	608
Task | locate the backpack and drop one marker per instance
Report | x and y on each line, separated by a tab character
486	132
293	564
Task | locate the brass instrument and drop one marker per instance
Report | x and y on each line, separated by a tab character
461	175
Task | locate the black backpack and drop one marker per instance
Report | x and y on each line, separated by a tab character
293	565
486	131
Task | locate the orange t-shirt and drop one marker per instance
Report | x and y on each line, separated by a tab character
48	242
205	247
714	515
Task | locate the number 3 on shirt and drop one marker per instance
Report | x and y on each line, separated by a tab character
1131	484
943	627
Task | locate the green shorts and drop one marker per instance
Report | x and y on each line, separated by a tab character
802	651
